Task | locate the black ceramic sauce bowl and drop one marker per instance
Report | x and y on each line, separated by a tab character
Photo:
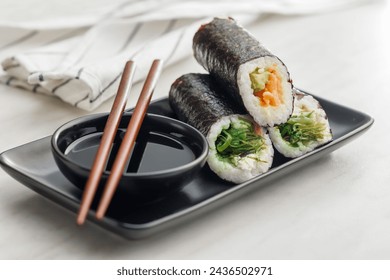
167	155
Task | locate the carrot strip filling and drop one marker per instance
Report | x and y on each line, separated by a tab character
267	86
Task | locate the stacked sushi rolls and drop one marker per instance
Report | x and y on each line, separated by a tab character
246	101
307	128
239	149
250	73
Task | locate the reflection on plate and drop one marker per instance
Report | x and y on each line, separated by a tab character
33	165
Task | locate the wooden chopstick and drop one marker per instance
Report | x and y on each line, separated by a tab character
109	132
130	137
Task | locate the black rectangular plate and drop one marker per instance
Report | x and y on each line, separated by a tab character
33	165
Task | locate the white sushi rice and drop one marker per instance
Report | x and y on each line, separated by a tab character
247	167
265	115
302	104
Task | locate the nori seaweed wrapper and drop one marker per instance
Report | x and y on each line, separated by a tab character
199	101
221	46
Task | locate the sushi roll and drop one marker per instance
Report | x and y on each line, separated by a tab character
239	149
251	74
307	129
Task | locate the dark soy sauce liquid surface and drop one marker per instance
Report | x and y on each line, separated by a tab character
153	151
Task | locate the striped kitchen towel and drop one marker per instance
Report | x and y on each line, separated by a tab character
77	53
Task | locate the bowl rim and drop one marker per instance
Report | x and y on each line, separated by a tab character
198	161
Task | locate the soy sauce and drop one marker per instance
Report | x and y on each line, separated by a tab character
153	151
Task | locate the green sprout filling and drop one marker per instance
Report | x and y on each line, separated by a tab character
238	141
302	129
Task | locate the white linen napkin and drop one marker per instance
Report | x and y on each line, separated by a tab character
79	57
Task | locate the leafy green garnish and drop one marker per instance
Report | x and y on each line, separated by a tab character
302	129
238	141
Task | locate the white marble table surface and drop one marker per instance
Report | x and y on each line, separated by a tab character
338	207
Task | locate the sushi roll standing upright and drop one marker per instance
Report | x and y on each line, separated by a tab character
251	74
307	128
239	149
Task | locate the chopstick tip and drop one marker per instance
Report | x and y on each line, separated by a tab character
99	215
80	220
158	61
